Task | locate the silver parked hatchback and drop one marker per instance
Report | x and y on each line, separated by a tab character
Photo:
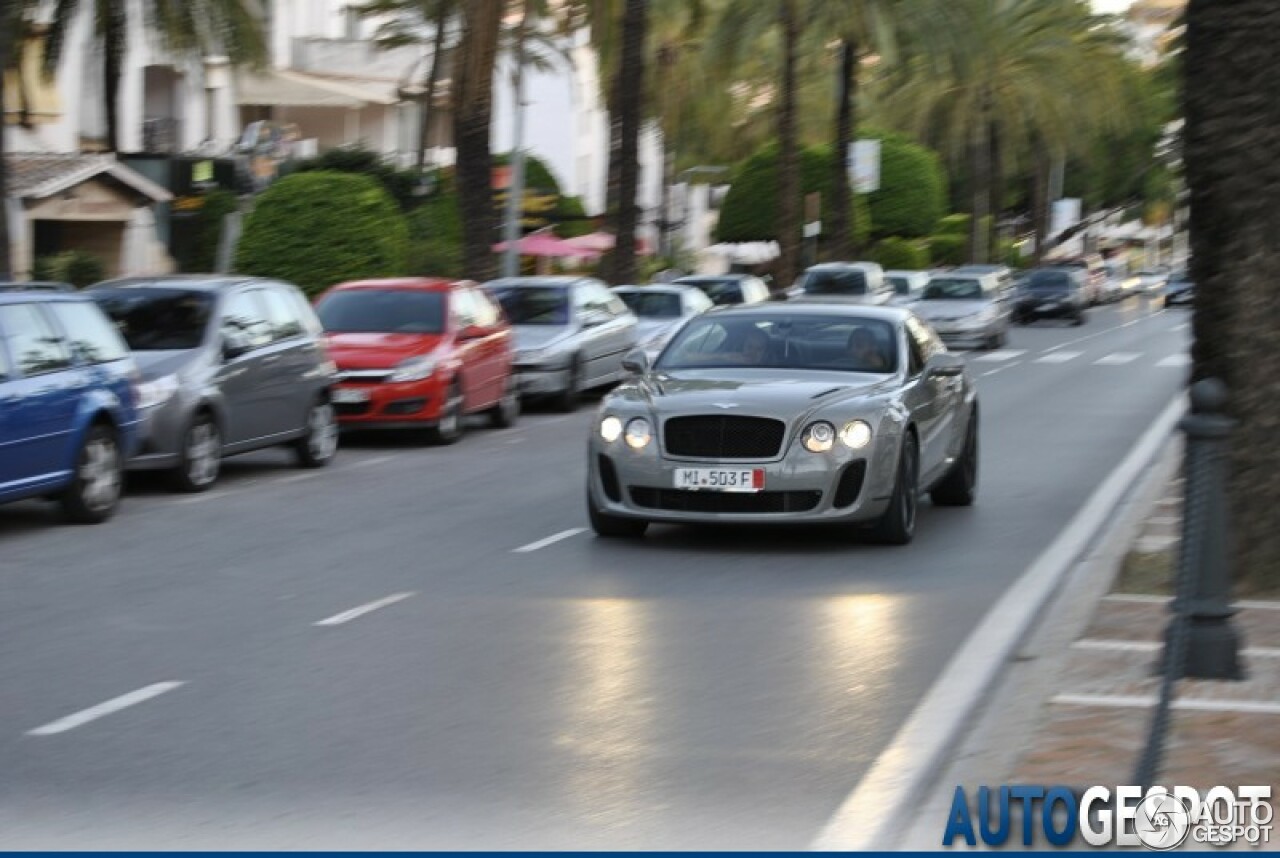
229	365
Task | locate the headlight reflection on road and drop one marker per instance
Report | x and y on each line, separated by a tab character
862	636
609	701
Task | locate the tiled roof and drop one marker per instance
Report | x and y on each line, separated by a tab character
41	175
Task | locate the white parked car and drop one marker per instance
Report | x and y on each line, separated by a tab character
662	309
908	286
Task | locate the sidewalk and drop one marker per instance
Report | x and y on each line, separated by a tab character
1076	706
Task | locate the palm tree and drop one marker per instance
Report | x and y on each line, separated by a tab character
9	26
1231	157
472	116
627	115
232	28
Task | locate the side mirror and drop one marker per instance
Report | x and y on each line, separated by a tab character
234	344
471	332
636	361
945	365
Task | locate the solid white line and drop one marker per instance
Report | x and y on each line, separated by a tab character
1175	361
1118	358
93	713
1103	645
1058	357
550	540
364	463
881	806
1000	355
348	616
1119	701
1149	599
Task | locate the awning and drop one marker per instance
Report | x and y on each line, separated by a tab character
282	88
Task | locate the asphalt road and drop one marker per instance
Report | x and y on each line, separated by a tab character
697	689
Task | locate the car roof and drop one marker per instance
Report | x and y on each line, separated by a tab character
985	269
842	266
665	288
813	308
405	284
35	286
193	282
712	278
564	280
26	296
903	272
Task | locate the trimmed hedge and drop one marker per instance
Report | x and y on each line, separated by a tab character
203	254
435	236
80	268
913	188
949	249
900	254
402	185
316	229
954	224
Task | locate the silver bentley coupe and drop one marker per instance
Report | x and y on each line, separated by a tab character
787	413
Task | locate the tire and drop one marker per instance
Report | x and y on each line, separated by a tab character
566	401
449	428
98	481
319	445
507	411
201	455
613	527
960	486
898	524
1078	319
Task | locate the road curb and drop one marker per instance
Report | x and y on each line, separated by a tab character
885	802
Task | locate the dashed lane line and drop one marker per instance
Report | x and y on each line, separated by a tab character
550	540
1117	358
93	713
361	610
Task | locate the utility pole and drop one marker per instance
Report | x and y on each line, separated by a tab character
515	189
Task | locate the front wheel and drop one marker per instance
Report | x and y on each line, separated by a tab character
95	488
319	445
566	400
898	524
507	411
1078	320
960	485
614	527
448	429
201	456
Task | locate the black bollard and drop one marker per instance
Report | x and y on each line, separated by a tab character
1202	605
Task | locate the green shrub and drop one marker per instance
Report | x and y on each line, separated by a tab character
953	224
900	254
913	188
948	249
435	236
571	218
320	228
77	267
537	174
203	254
1011	254
750	209
402	185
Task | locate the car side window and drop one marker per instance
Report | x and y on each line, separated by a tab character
462	309
487	314
33	341
596	299
306	313
243	318
282	315
90	334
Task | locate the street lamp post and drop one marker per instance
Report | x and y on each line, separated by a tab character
515	188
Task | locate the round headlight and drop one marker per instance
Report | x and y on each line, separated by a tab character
639	433
611	429
856	434
819	437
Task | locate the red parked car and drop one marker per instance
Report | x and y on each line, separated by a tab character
419	353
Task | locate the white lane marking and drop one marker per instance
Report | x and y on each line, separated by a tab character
1121	701
1058	357
871	817
1105	645
93	713
365	463
550	540
1000	355
1150	599
1001	368
201	498
348	616
1117	358
295	478
1175	361
1181	327
1104	332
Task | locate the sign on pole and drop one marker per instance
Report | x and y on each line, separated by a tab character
864	166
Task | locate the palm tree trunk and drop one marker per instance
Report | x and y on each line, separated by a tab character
472	115
1229	75
433	81
789	157
115	34
842	243
630	102
1040	199
997	191
6	262
979	155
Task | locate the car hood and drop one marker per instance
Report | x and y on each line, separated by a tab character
153	365
948	309
534	337
649	328
379	351
757	392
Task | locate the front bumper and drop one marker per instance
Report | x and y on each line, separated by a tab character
542	381
836	487
1047	310
969	335
389	404
160	436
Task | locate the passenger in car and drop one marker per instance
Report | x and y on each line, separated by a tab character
865	352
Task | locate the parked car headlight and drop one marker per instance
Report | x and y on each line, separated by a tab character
819	437
856	434
157	392
639	433
611	429
414	369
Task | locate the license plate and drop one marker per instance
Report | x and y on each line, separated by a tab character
349	396
720	479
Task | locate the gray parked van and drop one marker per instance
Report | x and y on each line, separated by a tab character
229	364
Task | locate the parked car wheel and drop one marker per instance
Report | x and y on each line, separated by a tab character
898	524
960	485
449	428
567	399
201	455
319	445
1078	319
95	489
611	526
507	411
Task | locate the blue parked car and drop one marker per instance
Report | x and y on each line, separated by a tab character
68	415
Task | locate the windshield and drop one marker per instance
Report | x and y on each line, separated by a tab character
534	305
382	311
901	285
850	282
158	319
652	305
720	292
1052	281
951	289
834	343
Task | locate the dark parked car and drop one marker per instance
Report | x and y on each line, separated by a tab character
1180	291
729	289
68	417
230	364
1052	293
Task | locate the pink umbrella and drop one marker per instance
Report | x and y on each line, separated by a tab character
603	242
542	244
